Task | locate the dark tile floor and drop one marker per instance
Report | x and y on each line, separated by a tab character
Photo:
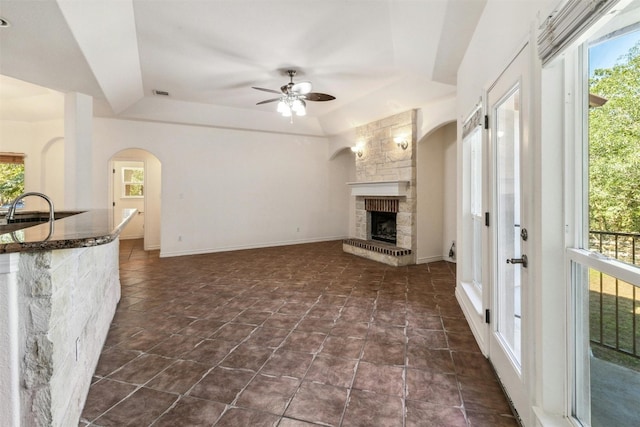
290	336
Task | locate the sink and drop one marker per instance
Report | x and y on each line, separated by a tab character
29	219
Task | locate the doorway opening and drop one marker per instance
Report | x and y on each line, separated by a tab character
135	183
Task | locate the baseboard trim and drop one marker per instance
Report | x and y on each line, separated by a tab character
428	259
165	254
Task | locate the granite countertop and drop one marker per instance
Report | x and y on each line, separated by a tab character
90	228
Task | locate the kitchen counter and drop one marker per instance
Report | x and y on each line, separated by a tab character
91	228
59	289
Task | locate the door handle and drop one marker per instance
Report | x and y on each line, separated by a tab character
524	261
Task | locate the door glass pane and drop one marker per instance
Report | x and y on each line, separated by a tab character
477	252
507	140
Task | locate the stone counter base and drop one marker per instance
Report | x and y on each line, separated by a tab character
378	251
55	311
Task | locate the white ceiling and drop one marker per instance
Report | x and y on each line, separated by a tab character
377	57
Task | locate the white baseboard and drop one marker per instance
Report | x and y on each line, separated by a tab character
131	237
165	254
428	259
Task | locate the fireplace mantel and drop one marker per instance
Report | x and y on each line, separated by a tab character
379	188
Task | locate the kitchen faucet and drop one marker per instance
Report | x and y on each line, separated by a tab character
12	208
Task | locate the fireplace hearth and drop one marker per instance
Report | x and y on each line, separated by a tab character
383	226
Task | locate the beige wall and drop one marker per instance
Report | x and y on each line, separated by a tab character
435	193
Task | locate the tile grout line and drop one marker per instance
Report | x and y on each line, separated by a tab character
355	290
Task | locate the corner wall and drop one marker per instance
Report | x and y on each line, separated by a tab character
436	189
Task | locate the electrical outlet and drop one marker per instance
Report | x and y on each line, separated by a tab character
180	238
77	349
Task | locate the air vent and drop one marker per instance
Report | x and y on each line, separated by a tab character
160	92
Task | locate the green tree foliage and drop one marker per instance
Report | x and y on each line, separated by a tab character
11	181
614	147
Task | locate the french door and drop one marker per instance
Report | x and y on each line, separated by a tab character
510	193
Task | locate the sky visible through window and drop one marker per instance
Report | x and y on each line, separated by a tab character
607	54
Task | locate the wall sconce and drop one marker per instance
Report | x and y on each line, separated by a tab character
401	142
358	150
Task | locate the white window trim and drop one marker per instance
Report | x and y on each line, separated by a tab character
469	294
608	266
124	182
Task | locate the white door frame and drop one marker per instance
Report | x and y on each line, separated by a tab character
112	195
516	379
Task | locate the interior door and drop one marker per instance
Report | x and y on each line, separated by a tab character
128	194
510	191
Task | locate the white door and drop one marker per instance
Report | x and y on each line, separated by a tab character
507	102
128	193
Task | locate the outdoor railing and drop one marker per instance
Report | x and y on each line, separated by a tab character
622	246
613	304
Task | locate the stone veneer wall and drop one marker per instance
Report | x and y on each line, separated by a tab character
67	300
383	160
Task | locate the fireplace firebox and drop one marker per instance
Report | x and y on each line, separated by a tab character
383	226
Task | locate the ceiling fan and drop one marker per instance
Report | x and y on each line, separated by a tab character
293	97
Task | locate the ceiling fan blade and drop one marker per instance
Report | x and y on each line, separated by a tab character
302	88
265	90
268	101
316	96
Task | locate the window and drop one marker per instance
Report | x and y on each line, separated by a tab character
605	273
614	146
132	182
472	132
475	141
11	177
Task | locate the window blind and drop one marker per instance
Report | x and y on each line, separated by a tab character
14	158
474	119
567	23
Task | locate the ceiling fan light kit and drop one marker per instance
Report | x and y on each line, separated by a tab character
292	104
293	97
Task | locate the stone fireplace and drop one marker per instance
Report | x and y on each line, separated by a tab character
385	193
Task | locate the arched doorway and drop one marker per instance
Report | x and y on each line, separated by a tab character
135	182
